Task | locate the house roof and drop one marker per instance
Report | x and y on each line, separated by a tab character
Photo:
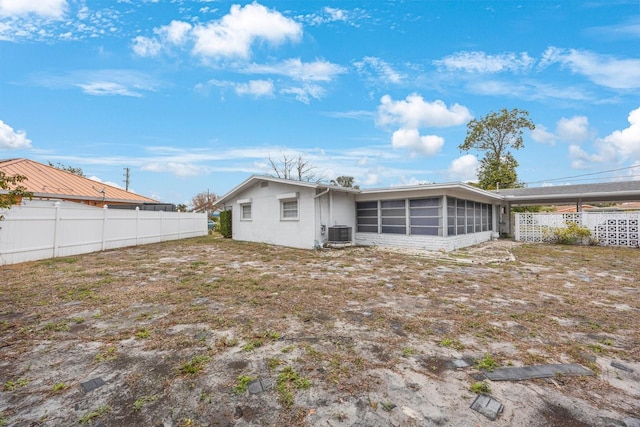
618	191
448	186
442	186
257	178
49	182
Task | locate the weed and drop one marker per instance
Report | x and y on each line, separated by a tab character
144	316
226	342
480	387
60	326
487	363
242	384
14	385
288	381
388	406
78	320
408	351
141	402
253	344
451	343
109	354
98	413
195	365
288	349
143	333
58	387
274	362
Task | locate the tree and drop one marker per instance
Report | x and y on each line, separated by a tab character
294	168
204	202
345	181
181	207
70	169
495	134
11	190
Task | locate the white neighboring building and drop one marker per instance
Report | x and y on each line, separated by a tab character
307	215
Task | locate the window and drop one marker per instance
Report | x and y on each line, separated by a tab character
467	217
393	215
367	217
425	216
289	210
246	212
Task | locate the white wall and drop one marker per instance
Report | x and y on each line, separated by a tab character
45	229
265	224
429	243
335	208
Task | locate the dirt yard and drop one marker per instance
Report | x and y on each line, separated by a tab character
208	332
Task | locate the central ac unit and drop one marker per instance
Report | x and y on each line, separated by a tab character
340	233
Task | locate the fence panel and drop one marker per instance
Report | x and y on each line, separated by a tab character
40	229
607	228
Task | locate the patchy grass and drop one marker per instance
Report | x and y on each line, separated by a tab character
334	319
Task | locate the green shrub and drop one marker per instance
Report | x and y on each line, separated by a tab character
572	234
225	223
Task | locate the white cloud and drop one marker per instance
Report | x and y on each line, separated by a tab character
11	139
44	8
603	70
255	88
618	146
480	62
627	141
176	32
176	168
464	168
145	46
379	70
428	145
305	93
102	88
542	135
319	70
235	33
576	129
372	179
414	112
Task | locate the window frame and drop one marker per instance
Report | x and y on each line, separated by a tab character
283	209
243	216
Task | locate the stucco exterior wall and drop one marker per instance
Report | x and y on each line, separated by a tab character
266	224
335	208
429	243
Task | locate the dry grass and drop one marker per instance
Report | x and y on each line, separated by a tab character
335	317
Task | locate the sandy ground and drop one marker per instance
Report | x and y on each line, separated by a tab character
208	331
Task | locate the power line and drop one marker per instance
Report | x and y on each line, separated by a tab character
586	174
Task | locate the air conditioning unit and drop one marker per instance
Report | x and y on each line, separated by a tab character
340	233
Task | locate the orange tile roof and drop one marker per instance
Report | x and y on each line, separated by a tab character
49	182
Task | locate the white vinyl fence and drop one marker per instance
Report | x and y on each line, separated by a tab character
607	228
40	230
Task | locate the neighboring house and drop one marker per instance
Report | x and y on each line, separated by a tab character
50	183
307	215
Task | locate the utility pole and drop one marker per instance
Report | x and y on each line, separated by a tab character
126	178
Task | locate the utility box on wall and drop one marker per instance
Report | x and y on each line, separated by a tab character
340	233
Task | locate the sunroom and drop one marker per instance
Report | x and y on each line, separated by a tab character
430	217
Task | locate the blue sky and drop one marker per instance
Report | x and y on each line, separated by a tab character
196	95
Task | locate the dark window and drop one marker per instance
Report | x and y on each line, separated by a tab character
393	215
367	217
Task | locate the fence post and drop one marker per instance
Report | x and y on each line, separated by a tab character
517	226
137	225
56	228
104	226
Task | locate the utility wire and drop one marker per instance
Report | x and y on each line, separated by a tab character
580	176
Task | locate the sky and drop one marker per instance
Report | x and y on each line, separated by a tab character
198	95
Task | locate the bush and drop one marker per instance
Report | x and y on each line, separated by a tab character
572	234
225	223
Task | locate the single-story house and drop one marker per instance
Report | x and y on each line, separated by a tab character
431	216
308	215
50	183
